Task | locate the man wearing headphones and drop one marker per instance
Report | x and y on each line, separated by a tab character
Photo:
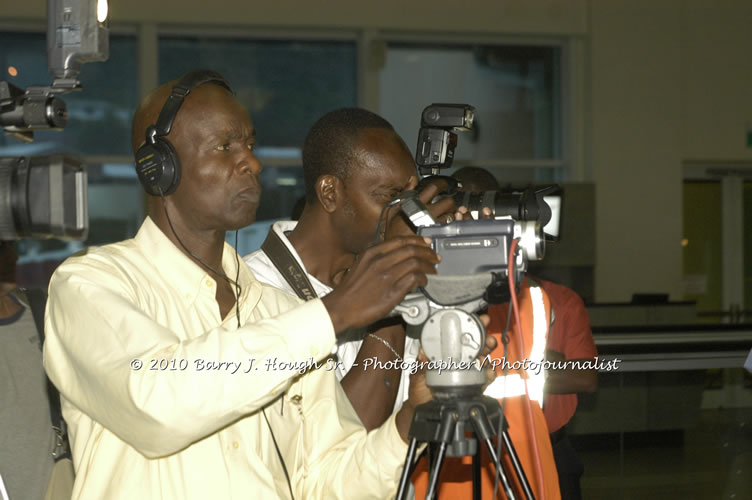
181	375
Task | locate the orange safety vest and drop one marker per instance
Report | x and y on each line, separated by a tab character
455	481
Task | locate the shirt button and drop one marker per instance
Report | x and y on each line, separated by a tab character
235	445
209	283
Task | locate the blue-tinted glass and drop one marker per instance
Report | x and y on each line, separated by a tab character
99	116
514	89
286	85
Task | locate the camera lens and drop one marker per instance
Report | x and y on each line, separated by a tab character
8	192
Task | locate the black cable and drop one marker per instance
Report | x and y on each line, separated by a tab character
207	266
279	454
237	280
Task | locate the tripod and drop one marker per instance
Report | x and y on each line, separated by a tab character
444	422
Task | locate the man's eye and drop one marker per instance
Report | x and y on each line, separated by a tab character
224	147
251	146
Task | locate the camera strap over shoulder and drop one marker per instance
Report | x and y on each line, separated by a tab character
288	265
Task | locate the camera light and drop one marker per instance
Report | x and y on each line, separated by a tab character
12	71
102	10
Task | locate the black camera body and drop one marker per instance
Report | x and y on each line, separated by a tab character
541	205
471	247
477	246
23	111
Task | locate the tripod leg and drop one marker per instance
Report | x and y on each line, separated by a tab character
476	474
407	469
500	470
517	465
433	476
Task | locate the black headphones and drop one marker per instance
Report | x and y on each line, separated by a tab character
157	162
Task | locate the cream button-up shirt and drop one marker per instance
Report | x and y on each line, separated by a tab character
167	400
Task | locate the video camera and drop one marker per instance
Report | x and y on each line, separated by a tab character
477	265
46	196
437	141
475	246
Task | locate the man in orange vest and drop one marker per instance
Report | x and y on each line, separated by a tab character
519	388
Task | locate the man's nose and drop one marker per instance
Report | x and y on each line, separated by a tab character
249	163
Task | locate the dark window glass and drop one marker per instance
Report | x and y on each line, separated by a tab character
286	85
99	116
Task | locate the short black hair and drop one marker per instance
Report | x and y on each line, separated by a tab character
330	146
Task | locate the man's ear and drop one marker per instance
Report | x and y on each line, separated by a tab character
330	192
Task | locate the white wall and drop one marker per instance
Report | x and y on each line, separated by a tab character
635	144
660	82
716	85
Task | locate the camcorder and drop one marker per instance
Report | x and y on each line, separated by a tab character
474	270
46	196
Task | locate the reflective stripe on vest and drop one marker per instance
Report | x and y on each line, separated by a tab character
513	384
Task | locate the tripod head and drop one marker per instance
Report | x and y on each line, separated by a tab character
452	336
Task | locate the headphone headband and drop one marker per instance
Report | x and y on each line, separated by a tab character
182	88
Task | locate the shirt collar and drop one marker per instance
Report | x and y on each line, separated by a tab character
185	276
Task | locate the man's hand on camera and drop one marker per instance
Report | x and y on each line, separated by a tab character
443	210
464	214
379	280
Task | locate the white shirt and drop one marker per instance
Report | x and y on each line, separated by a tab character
169	428
348	343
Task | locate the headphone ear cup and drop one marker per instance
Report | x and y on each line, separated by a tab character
158	166
170	167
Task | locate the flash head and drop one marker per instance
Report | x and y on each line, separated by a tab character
77	33
448	116
436	137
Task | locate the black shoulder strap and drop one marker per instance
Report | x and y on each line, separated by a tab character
287	265
37	302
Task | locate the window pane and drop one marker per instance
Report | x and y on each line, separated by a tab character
99	116
514	89
286	85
